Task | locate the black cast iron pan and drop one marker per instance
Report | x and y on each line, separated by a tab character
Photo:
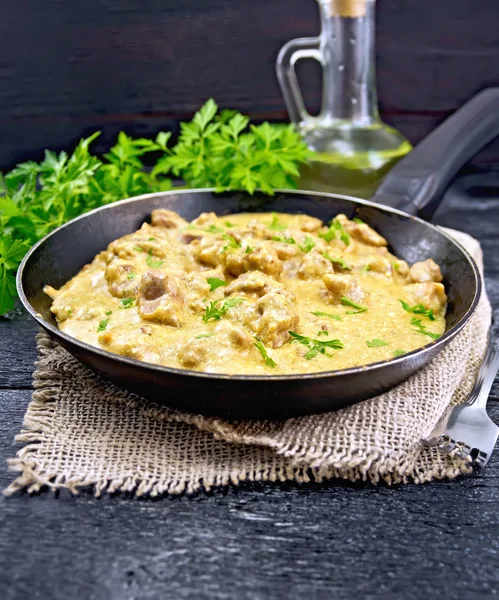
416	183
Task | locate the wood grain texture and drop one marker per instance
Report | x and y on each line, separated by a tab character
70	68
334	540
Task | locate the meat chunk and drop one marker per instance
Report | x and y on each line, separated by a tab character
427	270
362	232
263	258
254	282
161	217
401	268
121	278
205	219
193	353
380	264
286	251
308	224
343	285
230	334
208	250
430	294
159	298
271	317
314	266
198	288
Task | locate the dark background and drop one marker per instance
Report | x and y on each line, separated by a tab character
68	68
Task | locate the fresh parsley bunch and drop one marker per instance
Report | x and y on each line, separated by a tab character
216	149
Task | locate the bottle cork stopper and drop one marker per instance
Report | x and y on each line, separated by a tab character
348	8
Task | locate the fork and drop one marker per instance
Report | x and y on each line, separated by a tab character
466	429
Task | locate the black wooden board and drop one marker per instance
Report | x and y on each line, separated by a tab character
334	540
71	68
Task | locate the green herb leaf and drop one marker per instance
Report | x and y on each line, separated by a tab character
204	335
263	351
322	332
376	343
336	231
319	313
103	324
108	312
308	244
418	309
215	312
138	249
248	250
358	307
152	239
232	242
365	268
357	220
131	276
315	346
215	283
69	312
127	302
398	352
337	261
275	224
420	328
215	229
154	264
283	239
229	224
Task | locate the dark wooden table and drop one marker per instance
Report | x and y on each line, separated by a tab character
332	540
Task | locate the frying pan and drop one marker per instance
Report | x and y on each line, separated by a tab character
415	185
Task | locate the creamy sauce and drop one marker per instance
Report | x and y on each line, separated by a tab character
221	295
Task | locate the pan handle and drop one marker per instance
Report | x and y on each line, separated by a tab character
417	183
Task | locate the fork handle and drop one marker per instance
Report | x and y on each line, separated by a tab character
486	375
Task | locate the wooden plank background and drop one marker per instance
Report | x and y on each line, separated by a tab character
68	68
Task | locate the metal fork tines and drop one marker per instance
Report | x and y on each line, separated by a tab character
466	429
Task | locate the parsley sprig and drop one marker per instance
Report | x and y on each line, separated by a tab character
216	311
215	149
319	313
418	309
263	351
336	231
315	346
358	307
337	261
420	328
215	282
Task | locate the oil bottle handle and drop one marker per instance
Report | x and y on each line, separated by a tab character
290	53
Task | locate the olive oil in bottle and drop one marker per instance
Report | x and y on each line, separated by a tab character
355	149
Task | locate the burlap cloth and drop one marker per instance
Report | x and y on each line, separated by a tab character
81	431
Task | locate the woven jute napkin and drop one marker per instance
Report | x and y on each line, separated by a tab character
81	431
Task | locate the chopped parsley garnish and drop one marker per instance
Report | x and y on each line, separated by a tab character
229	224
263	351
131	275
283	239
358	307
248	250
323	332
214	312
336	231
127	302
357	220
315	346
420	328
154	264
319	313
215	283
108	312
418	309
337	261
398	352
152	239
103	324
214	229
69	312
232	242
376	343
365	268
275	224
308	244
138	249
204	335
396	266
